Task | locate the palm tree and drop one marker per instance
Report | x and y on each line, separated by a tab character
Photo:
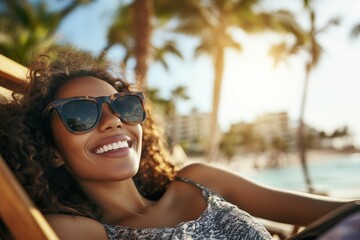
178	93
308	43
26	26
138	44
142	20
212	21
166	108
120	32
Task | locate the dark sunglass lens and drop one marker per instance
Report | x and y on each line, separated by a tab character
130	108
80	115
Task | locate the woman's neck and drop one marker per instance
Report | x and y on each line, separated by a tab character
119	200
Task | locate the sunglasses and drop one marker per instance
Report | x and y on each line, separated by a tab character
82	114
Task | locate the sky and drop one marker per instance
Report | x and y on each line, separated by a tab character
251	84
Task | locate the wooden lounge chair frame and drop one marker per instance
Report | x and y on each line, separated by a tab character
19	214
21	217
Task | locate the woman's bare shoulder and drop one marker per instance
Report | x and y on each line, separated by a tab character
196	170
203	170
76	227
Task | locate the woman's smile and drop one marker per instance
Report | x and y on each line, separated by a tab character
114	146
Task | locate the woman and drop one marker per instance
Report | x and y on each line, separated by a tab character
74	138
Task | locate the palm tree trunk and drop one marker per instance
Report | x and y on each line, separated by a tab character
301	134
143	12
214	127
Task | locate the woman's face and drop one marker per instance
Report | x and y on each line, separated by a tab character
81	152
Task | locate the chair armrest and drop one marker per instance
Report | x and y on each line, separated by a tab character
18	212
328	221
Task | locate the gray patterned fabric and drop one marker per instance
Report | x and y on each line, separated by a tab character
220	220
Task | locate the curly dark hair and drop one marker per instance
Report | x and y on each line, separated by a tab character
26	142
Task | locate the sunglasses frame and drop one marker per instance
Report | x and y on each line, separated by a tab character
58	104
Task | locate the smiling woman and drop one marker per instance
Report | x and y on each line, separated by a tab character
37	152
77	139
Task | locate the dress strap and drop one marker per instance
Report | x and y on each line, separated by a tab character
186	180
207	192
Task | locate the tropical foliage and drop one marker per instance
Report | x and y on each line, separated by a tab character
30	26
308	43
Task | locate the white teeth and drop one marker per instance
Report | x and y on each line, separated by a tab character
111	146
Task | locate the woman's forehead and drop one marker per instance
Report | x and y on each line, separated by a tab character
85	86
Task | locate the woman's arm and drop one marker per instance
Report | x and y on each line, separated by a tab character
269	203
76	227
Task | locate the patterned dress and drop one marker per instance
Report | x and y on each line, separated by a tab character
220	220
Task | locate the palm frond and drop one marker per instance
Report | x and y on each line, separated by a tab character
279	52
355	32
335	21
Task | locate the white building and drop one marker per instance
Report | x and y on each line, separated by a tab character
192	131
273	126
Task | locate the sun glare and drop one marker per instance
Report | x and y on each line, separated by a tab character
253	86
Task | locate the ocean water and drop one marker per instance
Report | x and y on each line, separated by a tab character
338	176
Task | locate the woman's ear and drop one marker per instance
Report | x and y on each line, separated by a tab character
58	161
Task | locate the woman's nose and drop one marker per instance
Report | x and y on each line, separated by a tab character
108	119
